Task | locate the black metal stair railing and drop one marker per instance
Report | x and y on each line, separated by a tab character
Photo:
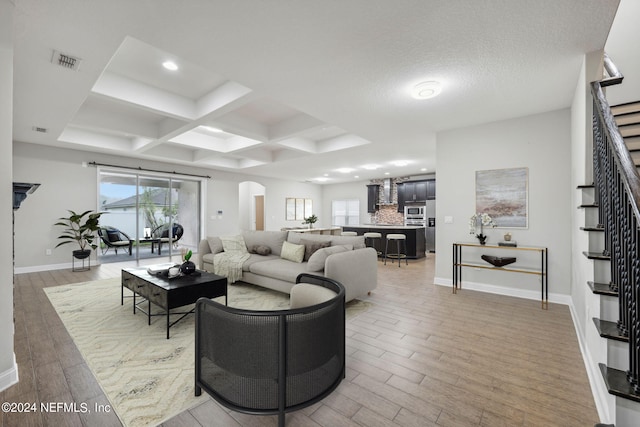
618	196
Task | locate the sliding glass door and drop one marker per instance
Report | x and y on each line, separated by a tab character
158	215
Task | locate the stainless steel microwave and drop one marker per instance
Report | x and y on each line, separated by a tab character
414	212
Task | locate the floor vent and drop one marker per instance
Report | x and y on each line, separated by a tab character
66	61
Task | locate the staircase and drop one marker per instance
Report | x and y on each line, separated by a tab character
627	117
612	219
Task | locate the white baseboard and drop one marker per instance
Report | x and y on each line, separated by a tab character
598	387
501	290
10	376
37	268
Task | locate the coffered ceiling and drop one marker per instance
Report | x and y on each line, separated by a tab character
302	90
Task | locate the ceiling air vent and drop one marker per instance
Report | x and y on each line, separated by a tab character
40	129
66	61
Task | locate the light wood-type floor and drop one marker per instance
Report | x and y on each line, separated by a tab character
420	356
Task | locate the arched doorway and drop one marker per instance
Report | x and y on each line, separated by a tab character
252	205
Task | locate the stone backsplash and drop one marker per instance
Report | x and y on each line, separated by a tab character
388	214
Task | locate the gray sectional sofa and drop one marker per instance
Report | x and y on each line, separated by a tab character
342	258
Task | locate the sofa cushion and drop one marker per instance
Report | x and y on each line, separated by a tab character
280	269
316	262
253	258
215	244
234	244
306	295
273	239
292	252
310	246
356	241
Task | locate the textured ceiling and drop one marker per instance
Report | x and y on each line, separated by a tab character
300	88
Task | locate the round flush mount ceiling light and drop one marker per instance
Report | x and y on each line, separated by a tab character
426	90
170	65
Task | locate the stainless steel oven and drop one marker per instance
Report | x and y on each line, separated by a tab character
414	212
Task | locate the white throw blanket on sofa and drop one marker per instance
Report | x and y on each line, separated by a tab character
229	264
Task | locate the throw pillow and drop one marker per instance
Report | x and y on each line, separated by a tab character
233	244
292	252
113	236
260	249
316	261
311	246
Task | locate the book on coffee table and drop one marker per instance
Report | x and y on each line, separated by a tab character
510	243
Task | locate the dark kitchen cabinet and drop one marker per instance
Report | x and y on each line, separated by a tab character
431	189
372	197
414	192
400	191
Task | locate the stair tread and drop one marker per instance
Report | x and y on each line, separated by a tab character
617	384
596	255
586	186
627	118
592	228
626	108
609	330
602	289
590	205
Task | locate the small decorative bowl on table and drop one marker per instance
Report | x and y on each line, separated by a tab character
498	261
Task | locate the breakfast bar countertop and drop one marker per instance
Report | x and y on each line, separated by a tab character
387	226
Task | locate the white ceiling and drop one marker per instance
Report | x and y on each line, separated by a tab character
300	88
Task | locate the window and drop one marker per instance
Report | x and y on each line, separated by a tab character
145	207
345	212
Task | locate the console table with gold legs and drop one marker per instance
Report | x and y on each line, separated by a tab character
458	264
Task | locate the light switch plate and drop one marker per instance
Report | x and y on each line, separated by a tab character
448	220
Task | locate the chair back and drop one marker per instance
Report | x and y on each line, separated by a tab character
270	362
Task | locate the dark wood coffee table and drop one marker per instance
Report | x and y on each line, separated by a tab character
169	293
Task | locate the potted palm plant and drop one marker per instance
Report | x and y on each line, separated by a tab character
80	228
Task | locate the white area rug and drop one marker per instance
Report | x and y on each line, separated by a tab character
146	377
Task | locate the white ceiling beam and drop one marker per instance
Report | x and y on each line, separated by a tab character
294	127
238	125
340	143
88	138
229	95
90	118
300	144
134	92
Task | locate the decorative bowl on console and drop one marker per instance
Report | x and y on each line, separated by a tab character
498	261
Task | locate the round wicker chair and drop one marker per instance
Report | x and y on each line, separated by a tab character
272	362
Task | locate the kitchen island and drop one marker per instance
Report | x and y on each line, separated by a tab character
416	243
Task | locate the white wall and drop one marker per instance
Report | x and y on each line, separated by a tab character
8	368
68	185
540	142
352	190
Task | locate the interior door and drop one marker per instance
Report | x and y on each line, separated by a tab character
259	210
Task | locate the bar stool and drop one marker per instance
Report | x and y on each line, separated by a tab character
370	239
348	233
398	238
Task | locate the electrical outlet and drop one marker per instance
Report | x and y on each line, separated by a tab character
47	252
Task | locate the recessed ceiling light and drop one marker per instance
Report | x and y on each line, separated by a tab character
387	173
423	169
356	176
426	90
170	65
321	179
370	167
345	170
400	163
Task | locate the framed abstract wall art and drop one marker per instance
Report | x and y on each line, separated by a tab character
504	195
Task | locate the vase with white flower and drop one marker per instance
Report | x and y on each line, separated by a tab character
481	220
